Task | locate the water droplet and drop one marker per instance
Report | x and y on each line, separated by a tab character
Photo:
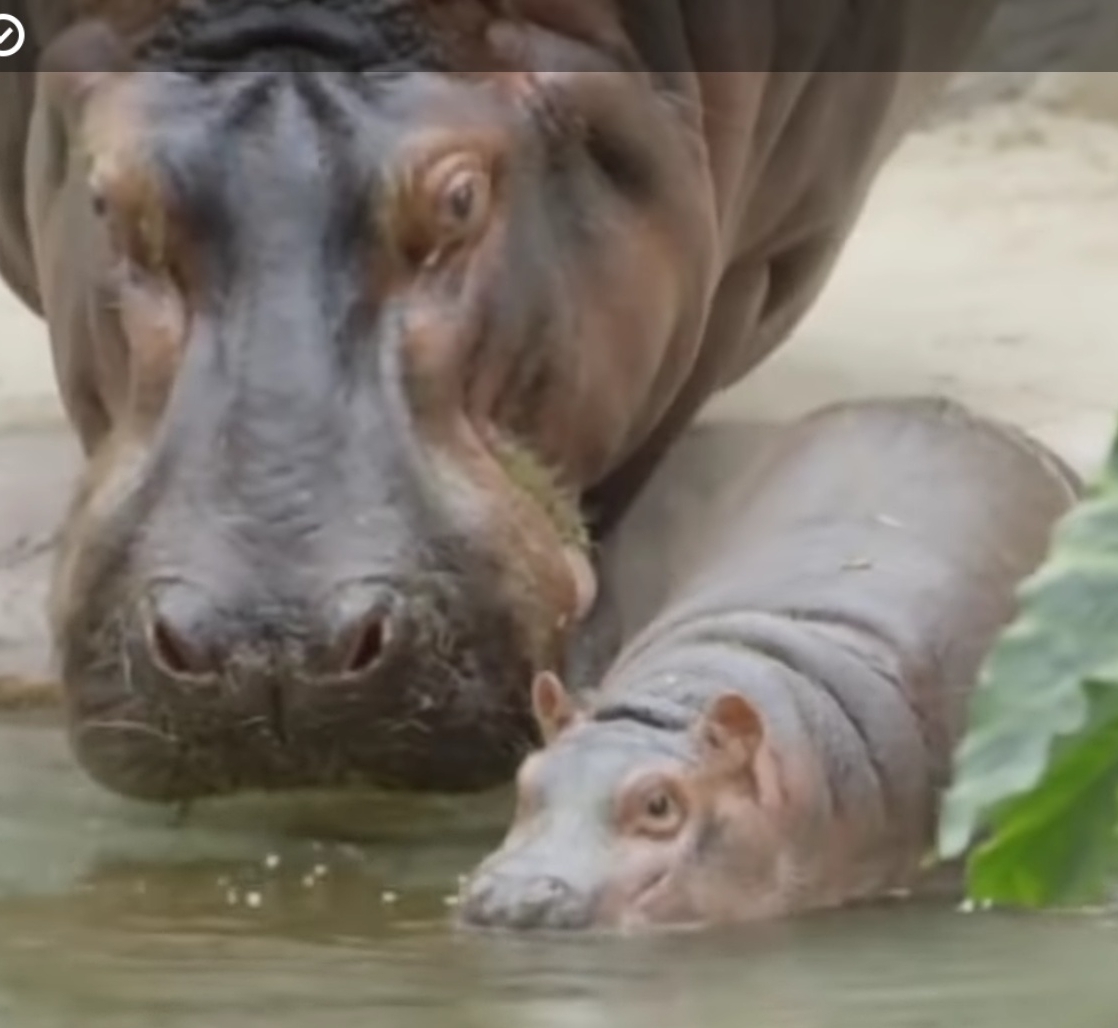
254	900
272	861
388	898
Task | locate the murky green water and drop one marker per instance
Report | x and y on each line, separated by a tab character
319	915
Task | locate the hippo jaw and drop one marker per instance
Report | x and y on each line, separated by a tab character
625	826
341	383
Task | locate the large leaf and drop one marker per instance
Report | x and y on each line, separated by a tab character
1055	844
1038	769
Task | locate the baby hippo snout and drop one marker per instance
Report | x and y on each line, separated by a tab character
525	902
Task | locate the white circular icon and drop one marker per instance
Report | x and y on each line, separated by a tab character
11	35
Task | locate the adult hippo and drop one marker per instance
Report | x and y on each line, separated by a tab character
363	309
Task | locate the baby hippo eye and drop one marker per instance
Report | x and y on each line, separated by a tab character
661	813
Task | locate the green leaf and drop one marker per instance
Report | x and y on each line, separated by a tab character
1038	769
1056	844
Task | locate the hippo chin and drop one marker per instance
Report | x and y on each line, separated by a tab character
777	738
360	310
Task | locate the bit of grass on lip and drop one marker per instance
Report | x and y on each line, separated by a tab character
543	485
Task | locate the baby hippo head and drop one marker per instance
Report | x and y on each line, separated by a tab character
626	821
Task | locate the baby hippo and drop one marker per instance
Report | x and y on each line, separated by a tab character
777	738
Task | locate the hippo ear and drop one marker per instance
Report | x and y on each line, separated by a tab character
730	735
553	706
80	60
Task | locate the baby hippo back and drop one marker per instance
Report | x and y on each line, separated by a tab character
873	553
910	521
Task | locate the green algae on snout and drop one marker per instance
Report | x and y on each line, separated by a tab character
545	486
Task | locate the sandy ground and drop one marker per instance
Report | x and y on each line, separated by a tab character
27	393
984	269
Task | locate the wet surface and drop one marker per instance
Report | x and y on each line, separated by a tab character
328	914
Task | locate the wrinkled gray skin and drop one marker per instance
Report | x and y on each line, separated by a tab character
777	738
296	356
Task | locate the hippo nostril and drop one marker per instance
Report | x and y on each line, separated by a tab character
175	643
477	894
367	643
169	650
525	904
362	626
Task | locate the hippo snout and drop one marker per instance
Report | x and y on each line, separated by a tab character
191	634
192	687
526	902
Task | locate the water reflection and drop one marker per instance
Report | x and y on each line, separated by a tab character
320	913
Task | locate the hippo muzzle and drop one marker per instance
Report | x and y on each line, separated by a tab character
538	890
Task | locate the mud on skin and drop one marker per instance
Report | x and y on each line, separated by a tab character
350	354
776	740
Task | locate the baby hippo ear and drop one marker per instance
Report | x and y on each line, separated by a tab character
730	735
553	706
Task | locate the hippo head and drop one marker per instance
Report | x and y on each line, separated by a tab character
345	349
622	824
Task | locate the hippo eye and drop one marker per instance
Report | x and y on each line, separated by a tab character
99	204
435	209
661	813
460	199
463	190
